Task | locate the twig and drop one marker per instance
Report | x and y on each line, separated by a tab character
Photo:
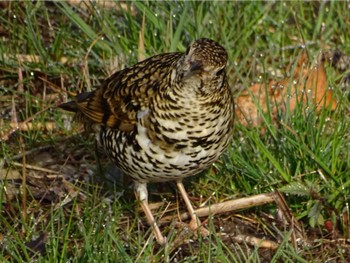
31	151
228	206
24	184
284	211
24	58
85	67
20	87
56	88
32	167
255	241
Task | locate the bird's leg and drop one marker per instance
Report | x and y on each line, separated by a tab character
195	223
142	195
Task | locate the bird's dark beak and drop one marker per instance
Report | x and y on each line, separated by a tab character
196	66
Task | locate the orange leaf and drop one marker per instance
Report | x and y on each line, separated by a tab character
305	86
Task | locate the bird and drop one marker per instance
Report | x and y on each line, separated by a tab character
166	118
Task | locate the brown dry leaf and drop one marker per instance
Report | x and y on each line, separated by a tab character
107	4
9	174
308	84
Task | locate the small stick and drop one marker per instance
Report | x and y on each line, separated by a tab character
228	206
255	241
32	167
24	184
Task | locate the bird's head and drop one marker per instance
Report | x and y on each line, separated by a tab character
205	55
202	64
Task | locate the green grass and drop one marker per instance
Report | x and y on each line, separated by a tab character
98	221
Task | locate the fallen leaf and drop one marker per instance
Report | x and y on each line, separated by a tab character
307	85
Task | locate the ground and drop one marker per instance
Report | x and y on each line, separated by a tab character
61	198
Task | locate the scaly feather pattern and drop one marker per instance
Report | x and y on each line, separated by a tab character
165	118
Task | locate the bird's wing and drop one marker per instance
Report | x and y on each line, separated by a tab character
116	103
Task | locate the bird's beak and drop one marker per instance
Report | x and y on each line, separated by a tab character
196	66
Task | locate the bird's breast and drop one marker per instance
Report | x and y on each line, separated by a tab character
170	144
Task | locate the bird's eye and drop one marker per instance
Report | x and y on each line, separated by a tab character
220	72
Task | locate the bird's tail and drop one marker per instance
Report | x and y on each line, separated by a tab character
73	105
69	106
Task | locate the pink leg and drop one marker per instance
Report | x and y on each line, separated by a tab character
142	195
195	223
